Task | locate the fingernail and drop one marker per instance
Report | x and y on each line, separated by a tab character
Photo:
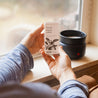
43	47
41	51
43	25
60	46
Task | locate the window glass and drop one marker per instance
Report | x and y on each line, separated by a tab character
18	17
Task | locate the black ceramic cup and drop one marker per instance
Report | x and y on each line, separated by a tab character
73	43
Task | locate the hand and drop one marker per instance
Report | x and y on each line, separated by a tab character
60	66
34	40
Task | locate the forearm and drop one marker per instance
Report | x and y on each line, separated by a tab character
15	65
73	89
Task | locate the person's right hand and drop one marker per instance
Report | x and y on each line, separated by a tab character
60	65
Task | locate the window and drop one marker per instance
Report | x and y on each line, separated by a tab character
18	17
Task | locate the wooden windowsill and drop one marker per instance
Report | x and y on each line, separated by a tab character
41	72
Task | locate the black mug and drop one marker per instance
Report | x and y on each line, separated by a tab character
73	42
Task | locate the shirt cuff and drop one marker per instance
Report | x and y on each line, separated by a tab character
25	51
73	83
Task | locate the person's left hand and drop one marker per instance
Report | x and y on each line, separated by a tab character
34	40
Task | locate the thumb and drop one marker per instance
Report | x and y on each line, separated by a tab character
47	58
38	30
61	51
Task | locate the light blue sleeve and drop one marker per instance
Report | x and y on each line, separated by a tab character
15	65
73	89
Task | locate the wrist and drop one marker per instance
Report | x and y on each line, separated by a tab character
67	75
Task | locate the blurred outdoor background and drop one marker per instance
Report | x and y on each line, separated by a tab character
18	17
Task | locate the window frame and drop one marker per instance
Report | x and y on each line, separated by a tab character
94	23
89	21
86	17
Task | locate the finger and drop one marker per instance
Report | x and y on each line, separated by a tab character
39	29
43	32
42	37
56	56
61	47
47	58
41	40
43	47
61	51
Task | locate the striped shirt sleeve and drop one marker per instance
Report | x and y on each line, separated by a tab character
15	65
